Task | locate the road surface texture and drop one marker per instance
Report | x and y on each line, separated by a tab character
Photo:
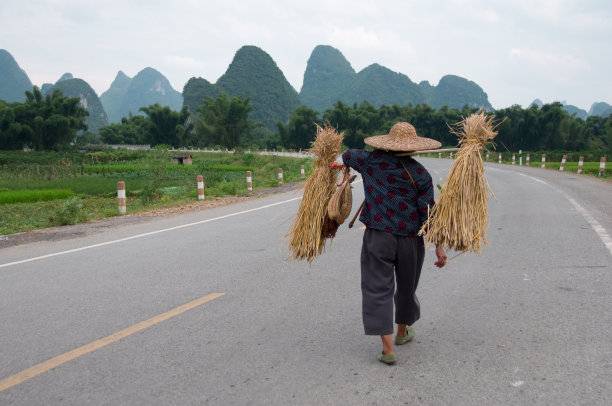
99	319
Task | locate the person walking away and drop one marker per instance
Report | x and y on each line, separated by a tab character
398	195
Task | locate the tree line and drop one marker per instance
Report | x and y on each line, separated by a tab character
57	122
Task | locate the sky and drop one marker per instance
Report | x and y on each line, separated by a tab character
516	50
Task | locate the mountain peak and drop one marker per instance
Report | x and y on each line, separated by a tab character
254	74
14	82
327	73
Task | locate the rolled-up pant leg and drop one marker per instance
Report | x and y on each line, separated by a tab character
410	256
378	281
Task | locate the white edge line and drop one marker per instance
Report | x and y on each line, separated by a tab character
145	234
595	225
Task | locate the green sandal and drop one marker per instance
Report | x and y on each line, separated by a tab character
389	359
403	340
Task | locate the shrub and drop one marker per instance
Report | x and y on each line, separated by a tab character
68	212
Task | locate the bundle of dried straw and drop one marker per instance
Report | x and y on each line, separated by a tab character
306	236
460	219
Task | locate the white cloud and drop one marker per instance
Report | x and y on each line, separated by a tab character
549	60
184	62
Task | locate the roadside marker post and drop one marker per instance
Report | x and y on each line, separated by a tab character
513	159
563	160
440	155
249	181
487	155
602	165
121	197
499	159
543	161
302	175
200	187
280	176
580	163
527	160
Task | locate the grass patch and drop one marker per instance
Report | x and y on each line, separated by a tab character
33	195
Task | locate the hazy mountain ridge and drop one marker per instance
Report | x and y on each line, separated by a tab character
14	82
74	87
600	109
146	88
329	77
112	98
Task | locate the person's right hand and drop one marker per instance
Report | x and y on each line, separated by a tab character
441	257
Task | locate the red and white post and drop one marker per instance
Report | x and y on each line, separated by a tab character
499	159
302	174
513	159
527	159
200	187
602	165
439	155
563	160
543	160
280	176
249	181
121	197
580	164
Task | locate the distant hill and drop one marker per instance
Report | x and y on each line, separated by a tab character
112	98
600	109
573	110
254	74
74	87
328	73
329	77
379	85
148	87
14	82
196	90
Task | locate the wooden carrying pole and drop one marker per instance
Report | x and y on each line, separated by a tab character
428	151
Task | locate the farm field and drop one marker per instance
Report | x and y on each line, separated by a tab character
40	190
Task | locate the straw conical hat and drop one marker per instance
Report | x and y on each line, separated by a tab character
402	137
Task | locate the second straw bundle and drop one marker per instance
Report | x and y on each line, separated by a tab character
306	236
460	219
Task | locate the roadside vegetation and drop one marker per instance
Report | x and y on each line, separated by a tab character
45	189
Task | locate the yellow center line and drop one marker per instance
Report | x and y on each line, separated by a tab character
87	348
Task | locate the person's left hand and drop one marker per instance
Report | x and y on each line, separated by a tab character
441	257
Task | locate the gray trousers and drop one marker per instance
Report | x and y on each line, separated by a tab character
385	259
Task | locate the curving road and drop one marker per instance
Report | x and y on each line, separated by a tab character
100	320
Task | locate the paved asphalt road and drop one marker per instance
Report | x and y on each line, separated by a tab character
526	322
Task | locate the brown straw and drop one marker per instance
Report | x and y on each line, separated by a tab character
460	219
306	235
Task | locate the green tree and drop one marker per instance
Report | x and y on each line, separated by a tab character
224	121
167	126
49	122
131	130
301	129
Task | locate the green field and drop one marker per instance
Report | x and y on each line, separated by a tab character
31	183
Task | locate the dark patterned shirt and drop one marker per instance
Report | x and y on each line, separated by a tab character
392	203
